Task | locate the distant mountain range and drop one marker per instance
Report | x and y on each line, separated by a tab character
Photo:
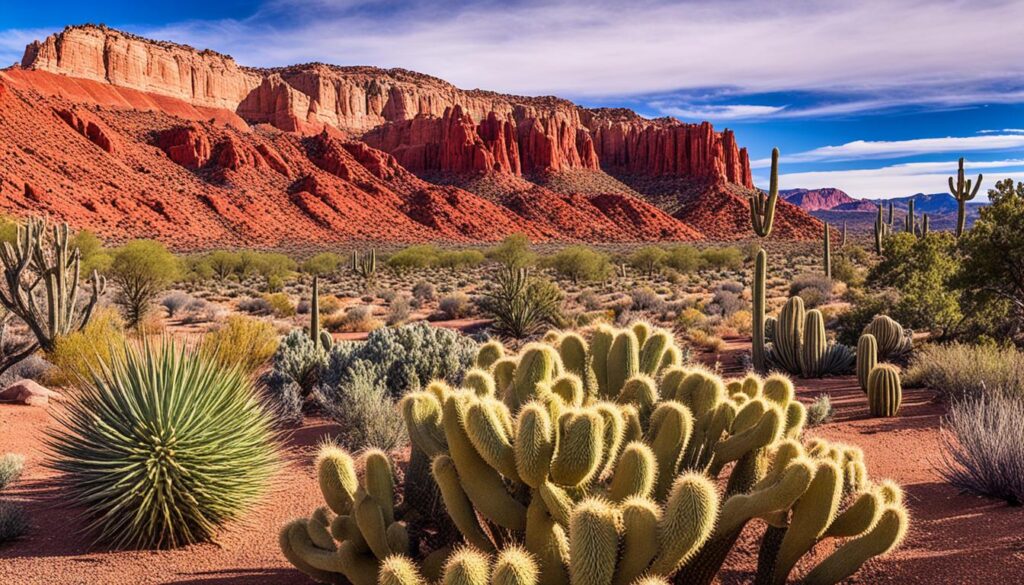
836	206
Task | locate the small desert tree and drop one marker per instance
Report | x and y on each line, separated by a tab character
141	269
648	259
580	263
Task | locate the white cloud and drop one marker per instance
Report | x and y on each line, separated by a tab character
605	48
1003	131
882	149
727	112
898	180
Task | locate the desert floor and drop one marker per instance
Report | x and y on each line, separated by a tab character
954	538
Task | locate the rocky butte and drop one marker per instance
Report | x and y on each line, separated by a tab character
130	136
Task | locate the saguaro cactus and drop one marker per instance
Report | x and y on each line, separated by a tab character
909	225
884	391
318	335
880	231
762	216
827	252
924	224
42	271
365	265
963	193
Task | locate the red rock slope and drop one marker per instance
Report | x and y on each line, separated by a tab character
135	137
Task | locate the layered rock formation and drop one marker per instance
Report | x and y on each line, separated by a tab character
202	150
825	199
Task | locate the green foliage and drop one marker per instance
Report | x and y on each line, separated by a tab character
580	263
922	271
683	258
141	270
300	359
162	447
459	259
420	256
241	342
224	263
281	304
513	252
78	354
322	264
993	252
521	304
360	405
722	258
648	259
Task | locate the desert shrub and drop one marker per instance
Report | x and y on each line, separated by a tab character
820	411
691	318
366	415
424	291
455	306
513	252
683	258
175	301
722	258
77	354
815	289
280	304
322	264
284	396
958	370
648	259
201	311
193	449
34	367
739	321
521	304
300	359
923	271
706	341
141	270
645	299
11	466
13	522
459	259
589	300
405	358
241	341
398	311
357	319
223	263
982	448
580	263
420	256
725	302
844	270
329	304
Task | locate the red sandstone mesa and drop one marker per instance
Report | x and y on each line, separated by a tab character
131	137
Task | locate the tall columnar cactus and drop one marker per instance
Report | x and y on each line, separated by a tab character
924	224
842	238
963	193
318	335
42	273
762	207
867	358
909	226
826	255
758	301
892	214
364	265
815	345
884	391
571	488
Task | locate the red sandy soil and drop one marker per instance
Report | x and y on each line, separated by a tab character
954	538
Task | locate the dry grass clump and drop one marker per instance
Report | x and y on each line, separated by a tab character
958	370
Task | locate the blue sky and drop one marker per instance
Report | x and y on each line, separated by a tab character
877	97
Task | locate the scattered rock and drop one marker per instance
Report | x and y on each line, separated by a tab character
29	393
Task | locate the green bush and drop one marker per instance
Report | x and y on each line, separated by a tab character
723	258
280	304
521	304
241	341
459	259
365	414
223	263
513	252
683	258
162	447
76	355
648	259
422	256
580	263
922	270
959	370
141	270
322	264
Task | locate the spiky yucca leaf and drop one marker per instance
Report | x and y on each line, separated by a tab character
163	446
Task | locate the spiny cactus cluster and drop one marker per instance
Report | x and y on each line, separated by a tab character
593	462
963	193
318	335
799	344
364	265
881	382
893	340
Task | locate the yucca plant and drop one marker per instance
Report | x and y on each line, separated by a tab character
162	446
522	304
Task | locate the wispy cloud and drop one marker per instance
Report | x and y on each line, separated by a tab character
883	149
585	48
1003	131
898	180
726	112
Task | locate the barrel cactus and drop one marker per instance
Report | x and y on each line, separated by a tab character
893	340
884	391
799	344
867	359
